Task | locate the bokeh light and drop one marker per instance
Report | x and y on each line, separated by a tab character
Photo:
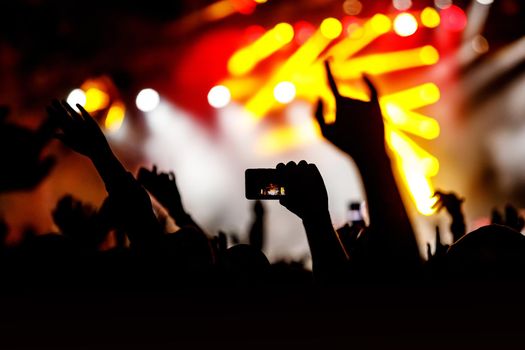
402	5
219	96
480	44
115	117
331	28
405	24
453	18
284	92
77	96
352	7
96	99
430	17
443	4
147	100
284	33
380	23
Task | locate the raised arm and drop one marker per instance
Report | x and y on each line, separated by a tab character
164	188
131	204
306	197
359	131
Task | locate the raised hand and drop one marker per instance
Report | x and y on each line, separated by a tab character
358	129
306	194
162	186
79	131
452	203
20	152
131	206
510	218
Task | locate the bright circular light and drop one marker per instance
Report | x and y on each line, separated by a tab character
405	24
284	92
380	23
331	28
430	17
453	18
443	4
352	7
402	5
77	96
485	2
283	32
219	96
147	100
480	44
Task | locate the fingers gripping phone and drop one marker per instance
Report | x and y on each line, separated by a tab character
263	184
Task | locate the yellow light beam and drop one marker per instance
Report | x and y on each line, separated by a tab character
381	63
419	187
413	98
245	59
360	37
412	122
410	151
263	100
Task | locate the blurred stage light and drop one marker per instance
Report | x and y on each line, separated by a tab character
115	117
96	99
430	17
284	92
303	31
244	60
77	96
355	31
402	5
147	100
352	7
260	1
405	24
453	18
219	96
429	55
380	23
331	28
485	2
283	33
480	44
443	4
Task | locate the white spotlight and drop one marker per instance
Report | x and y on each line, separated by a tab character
147	100
284	92
219	96
76	96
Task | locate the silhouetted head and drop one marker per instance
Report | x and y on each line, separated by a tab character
188	249
247	263
492	251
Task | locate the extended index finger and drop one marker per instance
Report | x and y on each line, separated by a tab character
331	80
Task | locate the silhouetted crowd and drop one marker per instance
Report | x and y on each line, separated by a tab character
142	256
122	249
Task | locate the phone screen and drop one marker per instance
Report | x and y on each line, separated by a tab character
263	184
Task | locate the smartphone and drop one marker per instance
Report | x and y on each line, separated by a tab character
263	184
